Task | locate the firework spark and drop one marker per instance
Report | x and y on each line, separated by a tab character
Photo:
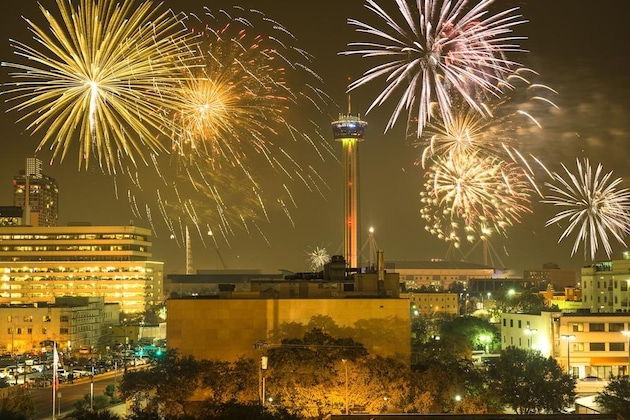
102	72
594	207
433	52
471	197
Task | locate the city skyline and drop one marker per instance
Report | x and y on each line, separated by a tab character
573	49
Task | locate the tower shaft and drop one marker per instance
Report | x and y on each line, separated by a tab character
349	130
351	198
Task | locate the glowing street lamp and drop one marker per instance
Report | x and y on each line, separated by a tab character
568	337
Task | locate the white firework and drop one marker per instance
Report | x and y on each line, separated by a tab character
432	51
595	209
317	258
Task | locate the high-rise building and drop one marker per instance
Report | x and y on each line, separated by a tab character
41	263
40	205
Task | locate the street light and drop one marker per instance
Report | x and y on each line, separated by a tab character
627	334
529	333
568	337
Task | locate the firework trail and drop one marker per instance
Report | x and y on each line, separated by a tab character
595	209
101	72
432	51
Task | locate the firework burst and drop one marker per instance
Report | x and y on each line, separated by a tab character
317	258
595	209
470	197
236	155
432	52
493	133
103	73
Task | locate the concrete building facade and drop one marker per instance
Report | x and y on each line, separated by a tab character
224	329
39	264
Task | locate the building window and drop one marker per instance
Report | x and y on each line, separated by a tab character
519	323
597	347
616	327
577	327
63	331
44	331
29	331
596	326
617	346
64	318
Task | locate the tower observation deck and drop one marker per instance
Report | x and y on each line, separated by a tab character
350	130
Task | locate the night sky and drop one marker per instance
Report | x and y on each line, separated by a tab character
579	49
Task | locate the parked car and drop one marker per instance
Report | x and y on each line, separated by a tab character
82	372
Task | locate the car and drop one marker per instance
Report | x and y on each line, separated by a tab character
80	373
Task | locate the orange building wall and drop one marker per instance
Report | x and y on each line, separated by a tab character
225	329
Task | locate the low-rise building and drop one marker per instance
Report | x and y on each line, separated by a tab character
427	304
437	274
73	323
587	345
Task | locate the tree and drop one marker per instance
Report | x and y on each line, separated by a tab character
529	383
17	406
615	398
308	376
470	328
171	382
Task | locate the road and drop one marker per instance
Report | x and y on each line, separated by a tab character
68	394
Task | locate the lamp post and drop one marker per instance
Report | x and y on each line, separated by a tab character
627	334
568	337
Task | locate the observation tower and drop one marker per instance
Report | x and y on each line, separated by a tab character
350	130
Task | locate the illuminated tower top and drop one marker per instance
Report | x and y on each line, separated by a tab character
349	130
349	127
